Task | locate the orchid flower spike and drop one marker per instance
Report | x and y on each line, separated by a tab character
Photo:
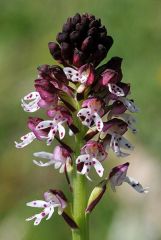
91	102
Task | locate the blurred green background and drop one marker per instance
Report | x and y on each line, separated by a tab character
26	27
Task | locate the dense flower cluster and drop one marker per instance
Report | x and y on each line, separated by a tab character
90	101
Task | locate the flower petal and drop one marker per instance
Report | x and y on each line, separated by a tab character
33	105
124	143
61	130
41	164
38	220
31	96
45	155
26	139
116	90
71	74
98	122
37	203
84	112
136	185
98	167
51	211
57	165
45	124
85	169
129	104
62	168
51	135
82	158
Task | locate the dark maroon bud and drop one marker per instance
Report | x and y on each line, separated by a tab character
66	50
100	54
107	42
43	69
58	73
76	19
80	27
66	28
53	47
92	32
55	50
103	36
74	36
84	20
103	29
77	58
87	43
62	37
114	63
90	17
95	23
88	39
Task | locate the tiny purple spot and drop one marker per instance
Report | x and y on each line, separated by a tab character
43	214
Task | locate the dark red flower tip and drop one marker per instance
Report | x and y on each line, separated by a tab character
83	40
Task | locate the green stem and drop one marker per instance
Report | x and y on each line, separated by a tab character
79	189
79	206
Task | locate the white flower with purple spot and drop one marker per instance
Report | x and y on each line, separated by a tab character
34	134
55	125
53	199
118	143
91	113
129	104
60	158
130	120
116	90
118	176
30	103
83	75
92	154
